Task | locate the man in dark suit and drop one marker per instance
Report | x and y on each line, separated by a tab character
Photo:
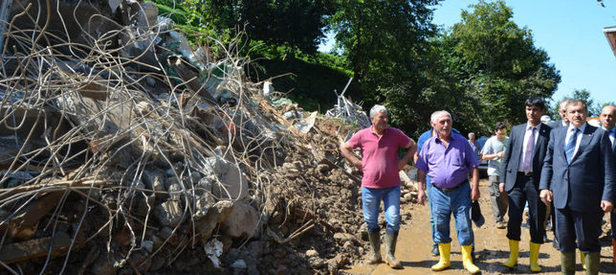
608	120
521	169
562	111
578	175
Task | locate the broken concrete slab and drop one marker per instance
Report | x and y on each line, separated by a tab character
230	182
243	221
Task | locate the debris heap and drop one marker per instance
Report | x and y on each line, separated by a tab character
125	150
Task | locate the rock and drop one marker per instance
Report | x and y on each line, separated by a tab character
242	221
205	225
343	237
234	184
258	248
239	264
333	265
154	179
169	213
158	262
102	266
323	168
312	253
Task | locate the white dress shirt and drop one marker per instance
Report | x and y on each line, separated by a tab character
579	136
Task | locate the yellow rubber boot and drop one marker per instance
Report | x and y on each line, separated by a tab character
467	259
444	249
534	256
583	259
514	248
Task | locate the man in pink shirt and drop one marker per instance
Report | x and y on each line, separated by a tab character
379	163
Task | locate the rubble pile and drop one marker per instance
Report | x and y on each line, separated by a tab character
124	150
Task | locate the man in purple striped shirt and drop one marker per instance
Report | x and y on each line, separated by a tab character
448	159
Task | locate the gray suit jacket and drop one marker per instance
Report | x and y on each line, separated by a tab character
588	179
513	154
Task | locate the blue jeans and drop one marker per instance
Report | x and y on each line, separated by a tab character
458	203
432	223
371	200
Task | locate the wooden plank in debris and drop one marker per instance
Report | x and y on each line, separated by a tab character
26	250
24	225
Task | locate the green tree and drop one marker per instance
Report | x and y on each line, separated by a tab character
296	24
386	45
497	65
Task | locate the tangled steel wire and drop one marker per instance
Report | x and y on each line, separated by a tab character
113	133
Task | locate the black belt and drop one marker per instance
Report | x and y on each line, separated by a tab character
449	190
529	174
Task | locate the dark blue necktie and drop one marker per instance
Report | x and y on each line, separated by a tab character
570	146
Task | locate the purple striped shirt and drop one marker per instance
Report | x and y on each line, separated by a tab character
447	167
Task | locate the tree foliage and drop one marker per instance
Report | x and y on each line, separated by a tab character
297	24
386	45
497	65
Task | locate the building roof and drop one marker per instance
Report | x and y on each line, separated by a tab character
610	34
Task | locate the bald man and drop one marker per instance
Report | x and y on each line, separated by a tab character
608	119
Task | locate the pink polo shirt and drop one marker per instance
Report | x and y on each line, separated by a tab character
379	156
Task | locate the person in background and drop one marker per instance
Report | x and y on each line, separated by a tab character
579	176
476	147
494	151
608	120
521	171
380	165
448	159
562	112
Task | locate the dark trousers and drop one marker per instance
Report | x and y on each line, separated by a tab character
613	222
523	191
585	227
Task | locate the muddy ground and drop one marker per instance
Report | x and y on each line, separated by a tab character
413	248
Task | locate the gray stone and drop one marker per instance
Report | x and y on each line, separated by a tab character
242	221
231	183
169	213
239	264
154	179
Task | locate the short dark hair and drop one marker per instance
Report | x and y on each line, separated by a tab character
535	101
499	126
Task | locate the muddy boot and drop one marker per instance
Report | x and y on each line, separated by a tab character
467	260
390	246
567	263
514	247
444	250
534	256
593	259
375	247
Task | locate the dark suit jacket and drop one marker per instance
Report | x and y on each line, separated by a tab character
588	179
513	154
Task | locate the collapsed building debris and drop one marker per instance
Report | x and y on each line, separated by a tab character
123	150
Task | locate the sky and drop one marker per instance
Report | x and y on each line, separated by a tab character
570	31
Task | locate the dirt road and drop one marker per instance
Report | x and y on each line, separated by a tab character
413	249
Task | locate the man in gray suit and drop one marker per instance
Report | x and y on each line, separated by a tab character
608	120
520	179
562	111
578	175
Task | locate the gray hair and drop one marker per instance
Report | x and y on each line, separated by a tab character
434	117
564	103
377	109
471	134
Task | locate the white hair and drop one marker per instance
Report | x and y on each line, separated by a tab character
434	117
377	109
